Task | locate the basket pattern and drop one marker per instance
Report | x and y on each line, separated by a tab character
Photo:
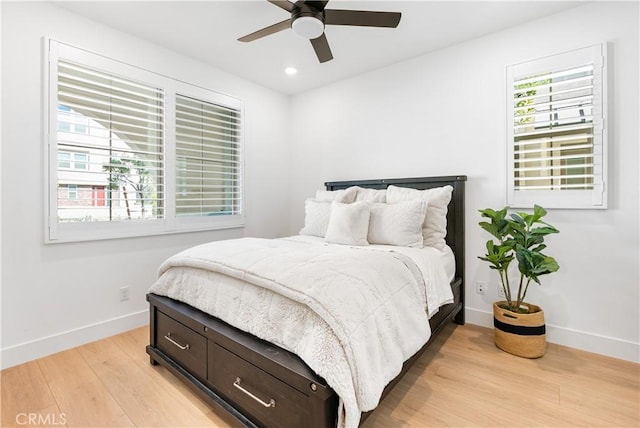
523	335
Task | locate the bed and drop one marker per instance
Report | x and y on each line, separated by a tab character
259	382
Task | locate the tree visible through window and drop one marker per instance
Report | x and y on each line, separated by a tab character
130	173
128	146
121	143
555	132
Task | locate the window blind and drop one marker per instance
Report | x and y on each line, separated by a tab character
132	153
110	137
553	130
556	142
208	167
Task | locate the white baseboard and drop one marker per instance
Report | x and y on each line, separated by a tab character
27	351
609	346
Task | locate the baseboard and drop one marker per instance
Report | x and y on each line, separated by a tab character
27	351
603	345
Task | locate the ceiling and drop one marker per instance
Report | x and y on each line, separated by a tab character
208	31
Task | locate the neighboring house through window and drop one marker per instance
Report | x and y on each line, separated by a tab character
136	153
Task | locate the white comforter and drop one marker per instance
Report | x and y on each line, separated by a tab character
353	314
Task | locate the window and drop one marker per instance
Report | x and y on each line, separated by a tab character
556	139
71	121
72	191
64	159
72	160
135	153
207	154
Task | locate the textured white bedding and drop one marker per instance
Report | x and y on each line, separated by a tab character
445	255
293	292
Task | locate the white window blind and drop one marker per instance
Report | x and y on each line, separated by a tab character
133	153
557	147
117	158
208	170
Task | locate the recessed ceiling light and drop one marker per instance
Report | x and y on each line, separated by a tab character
291	71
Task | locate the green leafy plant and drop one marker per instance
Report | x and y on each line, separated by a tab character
520	237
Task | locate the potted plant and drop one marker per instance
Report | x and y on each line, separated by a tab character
519	326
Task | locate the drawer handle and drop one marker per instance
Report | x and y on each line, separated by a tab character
170	339
271	403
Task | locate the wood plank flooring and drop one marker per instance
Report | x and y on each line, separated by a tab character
462	380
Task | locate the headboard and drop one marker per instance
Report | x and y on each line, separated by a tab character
455	214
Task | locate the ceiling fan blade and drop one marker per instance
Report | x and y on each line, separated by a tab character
361	18
283	4
271	29
317	5
321	46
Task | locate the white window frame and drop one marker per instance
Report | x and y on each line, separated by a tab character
56	232
595	198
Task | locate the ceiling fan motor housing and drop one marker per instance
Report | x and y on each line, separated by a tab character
306	21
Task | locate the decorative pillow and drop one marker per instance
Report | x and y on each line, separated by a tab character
346	196
349	223
434	228
316	217
397	224
371	195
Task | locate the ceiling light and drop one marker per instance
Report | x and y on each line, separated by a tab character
308	27
291	71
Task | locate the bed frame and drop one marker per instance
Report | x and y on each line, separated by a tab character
261	384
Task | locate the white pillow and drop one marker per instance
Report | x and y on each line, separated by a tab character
434	228
397	224
346	196
371	195
349	223
316	217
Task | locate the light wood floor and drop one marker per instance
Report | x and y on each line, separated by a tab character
463	380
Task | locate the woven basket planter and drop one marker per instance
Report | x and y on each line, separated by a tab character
523	335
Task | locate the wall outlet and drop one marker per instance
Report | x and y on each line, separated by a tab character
124	293
481	287
501	292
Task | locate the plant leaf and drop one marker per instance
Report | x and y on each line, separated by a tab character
518	218
543	231
539	212
539	248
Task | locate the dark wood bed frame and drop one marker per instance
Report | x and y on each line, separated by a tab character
261	384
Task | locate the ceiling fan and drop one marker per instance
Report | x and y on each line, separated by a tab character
308	19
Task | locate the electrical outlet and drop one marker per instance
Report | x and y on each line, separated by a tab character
501	292
481	287
124	293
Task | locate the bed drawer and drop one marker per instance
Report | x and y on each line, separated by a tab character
260	396
182	344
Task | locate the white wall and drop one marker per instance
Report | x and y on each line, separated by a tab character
57	296
444	114
399	121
